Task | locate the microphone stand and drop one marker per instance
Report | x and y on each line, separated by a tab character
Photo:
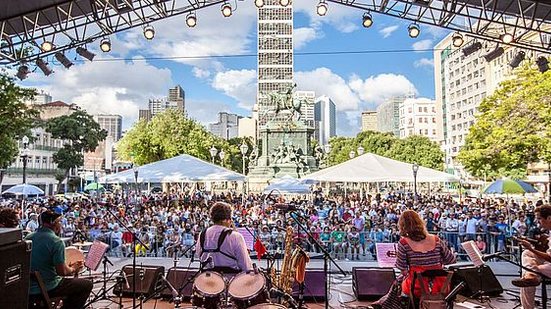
269	256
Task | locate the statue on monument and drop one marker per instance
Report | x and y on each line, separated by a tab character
284	101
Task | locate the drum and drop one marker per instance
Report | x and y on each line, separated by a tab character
267	306
247	289
72	256
208	290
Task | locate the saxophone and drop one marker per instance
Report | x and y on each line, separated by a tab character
293	261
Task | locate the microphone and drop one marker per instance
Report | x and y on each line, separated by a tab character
487	257
207	261
192	256
455	291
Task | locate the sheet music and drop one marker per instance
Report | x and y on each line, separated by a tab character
386	254
95	254
473	252
249	239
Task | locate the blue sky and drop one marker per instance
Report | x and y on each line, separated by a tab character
355	82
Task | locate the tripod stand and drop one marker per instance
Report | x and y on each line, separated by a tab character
103	292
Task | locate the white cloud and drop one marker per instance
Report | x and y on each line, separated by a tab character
324	82
387	31
375	89
302	36
200	73
238	84
424	62
422	45
343	18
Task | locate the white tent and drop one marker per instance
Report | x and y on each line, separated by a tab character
374	168
183	168
288	184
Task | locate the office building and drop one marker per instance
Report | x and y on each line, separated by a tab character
325	120
369	121
176	100
227	126
112	124
307	99
418	117
388	115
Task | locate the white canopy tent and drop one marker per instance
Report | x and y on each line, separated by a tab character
374	168
183	168
288	184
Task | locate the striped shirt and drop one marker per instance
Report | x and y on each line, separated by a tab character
406	257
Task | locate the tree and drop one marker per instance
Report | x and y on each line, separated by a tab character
512	129
418	149
16	118
82	133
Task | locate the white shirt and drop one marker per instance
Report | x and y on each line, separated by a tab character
234	245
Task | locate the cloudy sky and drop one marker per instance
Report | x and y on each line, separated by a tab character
385	62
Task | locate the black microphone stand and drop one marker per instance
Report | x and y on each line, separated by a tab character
269	257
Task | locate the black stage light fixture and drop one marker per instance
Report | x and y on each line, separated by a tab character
543	64
149	32
46	46
22	72
43	66
61	58
457	39
284	2
471	48
506	38
367	20
517	59
498	51
85	53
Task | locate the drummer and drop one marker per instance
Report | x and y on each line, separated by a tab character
226	247
48	257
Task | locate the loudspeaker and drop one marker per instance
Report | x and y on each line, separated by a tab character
479	280
15	275
178	276
371	283
148	280
314	286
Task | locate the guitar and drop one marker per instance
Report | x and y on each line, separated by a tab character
540	242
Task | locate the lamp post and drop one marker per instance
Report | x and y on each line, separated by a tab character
243	148
415	168
24	156
361	150
352	154
213	152
222	155
136	171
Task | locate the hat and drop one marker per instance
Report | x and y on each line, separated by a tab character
49	217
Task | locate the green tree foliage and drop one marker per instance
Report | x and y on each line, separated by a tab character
16	118
82	133
512	129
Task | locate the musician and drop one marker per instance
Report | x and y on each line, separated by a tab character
537	260
226	246
48	257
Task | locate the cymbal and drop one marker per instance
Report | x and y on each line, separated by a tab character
82	244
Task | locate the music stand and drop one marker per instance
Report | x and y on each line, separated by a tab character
96	256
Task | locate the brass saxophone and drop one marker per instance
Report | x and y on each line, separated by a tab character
292	260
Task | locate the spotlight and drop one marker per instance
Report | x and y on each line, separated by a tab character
518	59
498	51
284	2
191	20
259	3
321	9
43	66
471	48
105	45
22	72
83	52
46	46
506	38
149	32
414	30
543	64
367	21
61	58
457	39
226	10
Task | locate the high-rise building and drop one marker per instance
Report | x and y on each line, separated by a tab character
388	115
112	124
40	98
418	117
227	126
176	99
369	121
307	107
325	117
275	54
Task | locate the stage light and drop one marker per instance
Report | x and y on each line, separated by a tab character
226	10
46	46
22	72
367	21
259	3
414	30
149	32
471	48
498	51
43	66
506	38
457	39
61	58
284	2
191	20
321	9
83	52
519	57
543	64
105	45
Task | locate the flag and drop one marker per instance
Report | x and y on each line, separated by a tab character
259	248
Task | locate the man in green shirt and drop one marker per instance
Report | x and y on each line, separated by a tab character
48	257
337	237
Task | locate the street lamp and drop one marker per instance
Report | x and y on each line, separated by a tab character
352	154
415	168
361	150
222	154
24	156
213	152
243	148
136	171
327	148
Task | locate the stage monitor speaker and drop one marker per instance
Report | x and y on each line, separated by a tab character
148	280
15	274
371	283
479	281
178	277
314	286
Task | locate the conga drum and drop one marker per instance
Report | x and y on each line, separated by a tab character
248	289
208	290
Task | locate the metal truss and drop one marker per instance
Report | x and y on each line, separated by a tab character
529	21
72	23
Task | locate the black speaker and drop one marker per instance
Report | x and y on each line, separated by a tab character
148	280
371	283
15	275
178	277
314	286
479	280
